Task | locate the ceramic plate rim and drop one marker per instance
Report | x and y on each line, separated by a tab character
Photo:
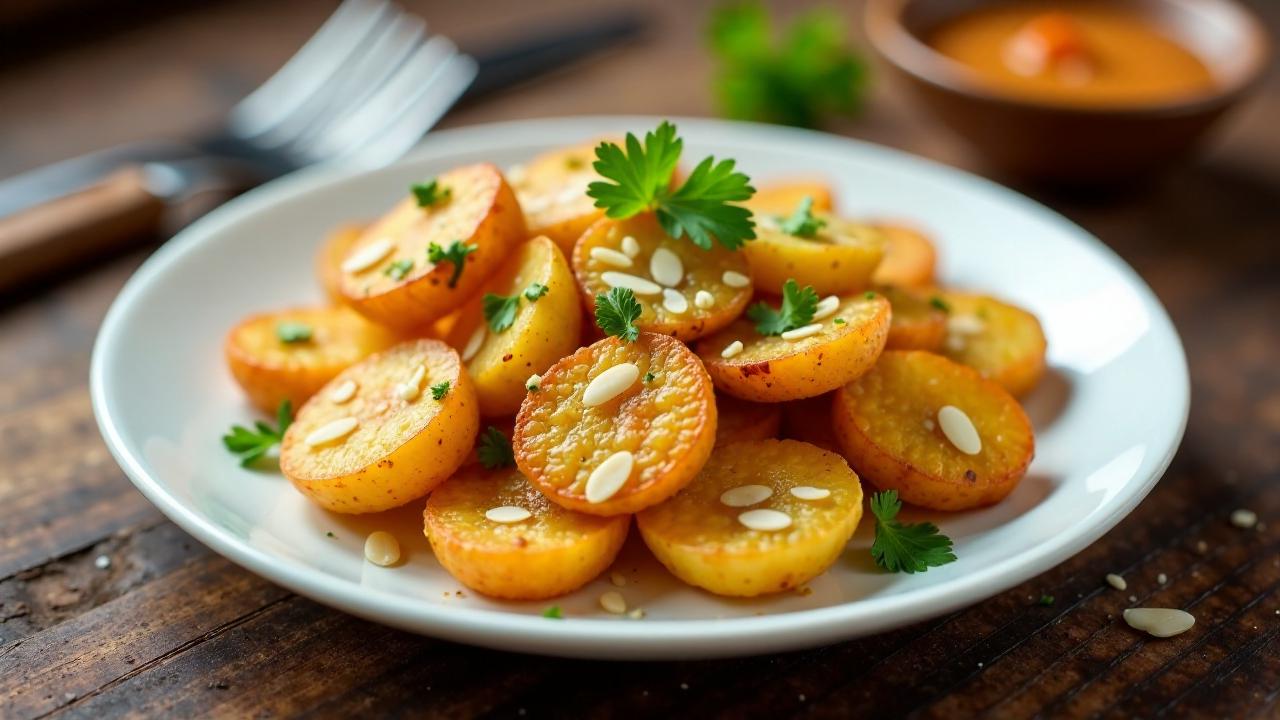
652	639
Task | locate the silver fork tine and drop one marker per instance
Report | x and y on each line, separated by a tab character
307	71
363	77
433	76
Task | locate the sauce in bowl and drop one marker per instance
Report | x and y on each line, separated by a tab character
1074	52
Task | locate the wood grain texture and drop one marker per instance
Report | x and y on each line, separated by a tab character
162	627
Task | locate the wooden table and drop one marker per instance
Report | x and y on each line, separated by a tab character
107	608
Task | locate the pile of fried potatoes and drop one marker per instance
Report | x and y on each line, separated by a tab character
535	439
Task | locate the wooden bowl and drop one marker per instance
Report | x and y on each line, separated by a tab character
1065	143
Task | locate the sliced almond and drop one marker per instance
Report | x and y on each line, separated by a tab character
610	256
959	429
1159	622
765	520
674	301
609	477
474	343
808	492
344	392
735	279
507	514
634	283
610	383
332	431
368	256
745	495
665	267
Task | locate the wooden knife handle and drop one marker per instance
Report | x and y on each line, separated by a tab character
108	215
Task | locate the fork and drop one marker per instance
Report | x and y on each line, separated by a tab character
360	92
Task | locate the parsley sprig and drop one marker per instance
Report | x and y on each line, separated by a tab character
456	253
702	207
495	449
440	389
617	312
802	223
293	332
250	445
798	306
500	311
535	291
430	193
399	269
905	548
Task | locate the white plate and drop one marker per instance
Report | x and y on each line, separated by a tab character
1108	418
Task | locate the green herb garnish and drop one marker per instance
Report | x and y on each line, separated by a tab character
500	311
1045	600
940	304
293	332
617	312
701	208
399	269
870	295
430	193
838	321
554	612
329	534
802	223
250	445
495	449
905	548
810	72
798	306
440	389
649	376
456	253
535	291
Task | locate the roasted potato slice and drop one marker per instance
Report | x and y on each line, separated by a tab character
782	197
498	536
552	189
768	368
289	355
910	259
918	323
388	275
809	420
668	276
739	420
898	433
336	247
617	426
1003	342
837	260
761	517
388	440
542	330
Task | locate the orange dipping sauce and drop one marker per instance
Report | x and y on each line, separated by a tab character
1073	52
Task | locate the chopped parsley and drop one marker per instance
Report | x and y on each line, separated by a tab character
535	291
430	193
649	376
940	304
456	253
798	306
495	449
250	445
617	312
838	321
330	534
500	311
293	332
554	612
795	77
802	223
905	548
439	390
1045	600
870	295
638	179
399	269
532	385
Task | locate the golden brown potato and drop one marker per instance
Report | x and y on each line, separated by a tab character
377	436
918	322
1003	342
809	420
909	257
934	430
844	345
542	330
329	259
389	275
839	259
761	517
498	536
739	420
668	287
619	444
552	189
782	197
322	343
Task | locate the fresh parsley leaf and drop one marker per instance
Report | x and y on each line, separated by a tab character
430	193
439	390
250	445
495	449
796	77
399	269
638	179
293	332
456	253
940	304
554	612
500	311
649	376
870	295
617	312
838	321
798	306
905	548
802	223
535	291
1045	600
